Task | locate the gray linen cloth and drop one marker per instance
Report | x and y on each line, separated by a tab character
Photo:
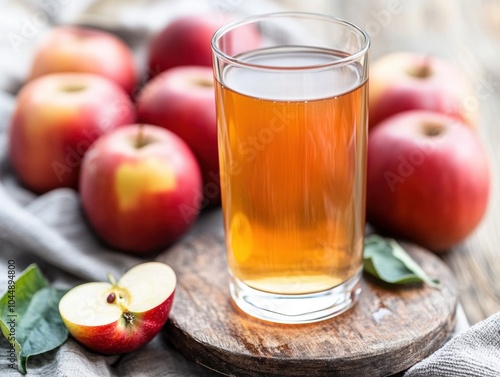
49	229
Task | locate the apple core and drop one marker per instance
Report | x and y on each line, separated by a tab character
129	317
119	317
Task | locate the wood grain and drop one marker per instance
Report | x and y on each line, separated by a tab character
385	333
476	262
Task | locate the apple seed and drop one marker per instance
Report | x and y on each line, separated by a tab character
111	298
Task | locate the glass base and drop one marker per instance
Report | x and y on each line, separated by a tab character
296	309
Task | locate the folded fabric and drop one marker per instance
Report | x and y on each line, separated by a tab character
474	353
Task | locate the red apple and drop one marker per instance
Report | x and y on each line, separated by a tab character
57	118
80	49
410	81
187	41
182	100
114	318
428	179
140	188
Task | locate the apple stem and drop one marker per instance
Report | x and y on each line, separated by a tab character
433	130
140	140
423	69
111	279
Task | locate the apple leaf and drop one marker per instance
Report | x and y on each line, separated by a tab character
386	260
29	316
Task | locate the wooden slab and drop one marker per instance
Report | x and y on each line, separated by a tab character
386	332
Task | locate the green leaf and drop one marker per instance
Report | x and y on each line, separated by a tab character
34	316
30	281
386	260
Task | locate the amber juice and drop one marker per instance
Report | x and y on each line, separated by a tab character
292	150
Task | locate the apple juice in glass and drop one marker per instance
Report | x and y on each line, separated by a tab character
292	130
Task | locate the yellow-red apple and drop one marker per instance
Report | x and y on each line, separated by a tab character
115	318
81	49
57	118
140	188
428	179
404	81
186	40
182	99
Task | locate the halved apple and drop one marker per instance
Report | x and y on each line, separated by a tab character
114	318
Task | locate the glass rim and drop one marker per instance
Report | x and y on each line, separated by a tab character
219	33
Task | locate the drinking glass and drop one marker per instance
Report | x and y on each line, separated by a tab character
292	130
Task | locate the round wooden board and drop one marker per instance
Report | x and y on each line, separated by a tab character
386	332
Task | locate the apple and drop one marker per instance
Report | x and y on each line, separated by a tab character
115	318
56	119
182	99
186	40
404	81
428	179
140	188
81	49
